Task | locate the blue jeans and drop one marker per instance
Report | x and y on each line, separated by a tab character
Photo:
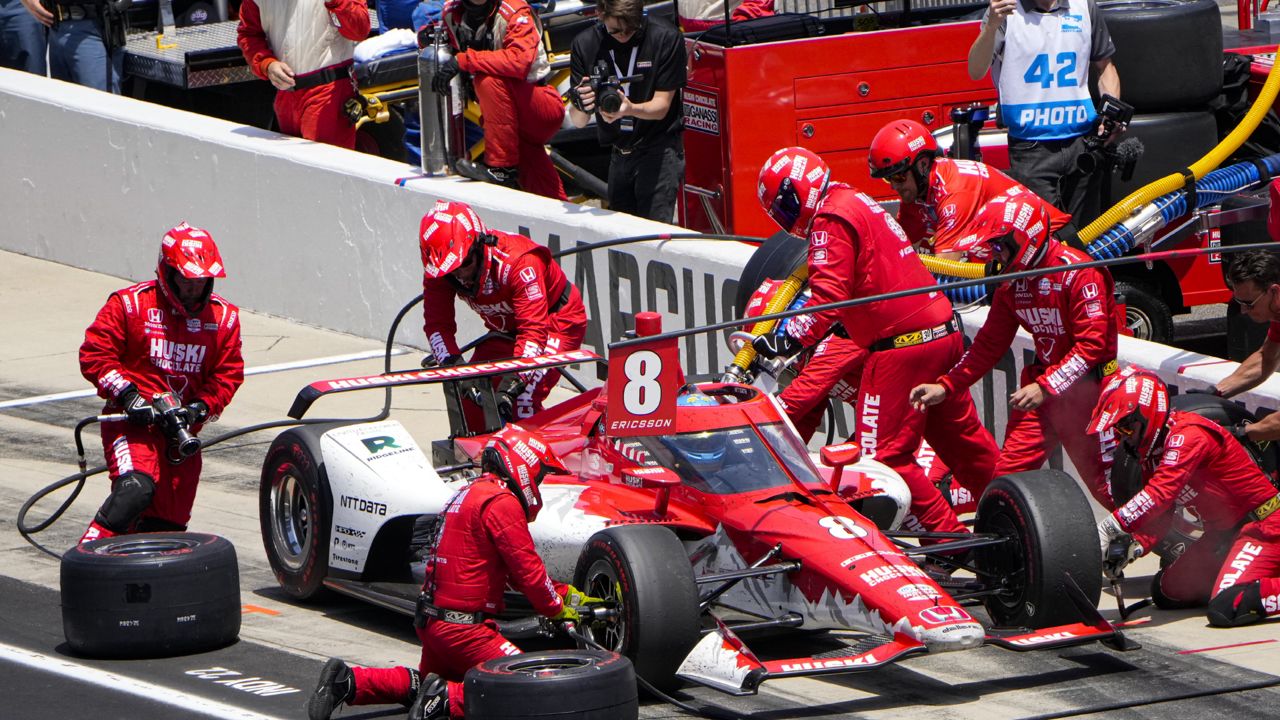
22	39
78	54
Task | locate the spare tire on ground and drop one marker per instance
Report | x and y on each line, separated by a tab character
563	684
1168	52
150	595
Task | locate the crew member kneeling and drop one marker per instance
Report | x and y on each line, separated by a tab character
174	336
1191	463
481	545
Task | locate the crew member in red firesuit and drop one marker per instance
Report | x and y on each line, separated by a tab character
498	43
168	335
1190	463
857	250
699	15
1072	320
482	545
305	50
515	287
940	197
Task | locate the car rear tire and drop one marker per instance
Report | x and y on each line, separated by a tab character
645	571
1049	524
1227	412
1168	52
150	595
1145	314
1170	142
294	508
385	139
561	684
775	259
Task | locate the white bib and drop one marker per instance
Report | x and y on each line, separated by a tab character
1043	74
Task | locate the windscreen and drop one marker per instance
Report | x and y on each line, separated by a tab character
732	460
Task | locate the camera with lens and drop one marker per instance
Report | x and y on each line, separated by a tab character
608	87
1113	119
172	418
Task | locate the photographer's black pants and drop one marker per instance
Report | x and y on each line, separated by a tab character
1048	168
644	181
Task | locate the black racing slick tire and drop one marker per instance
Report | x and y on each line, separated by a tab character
644	571
1049	526
295	507
775	259
1226	413
150	595
384	139
561	684
1145	314
1170	142
1168	52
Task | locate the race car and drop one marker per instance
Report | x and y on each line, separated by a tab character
716	525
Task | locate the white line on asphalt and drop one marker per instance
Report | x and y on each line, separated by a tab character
278	367
140	688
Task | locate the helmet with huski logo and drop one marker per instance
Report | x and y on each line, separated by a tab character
447	235
1135	406
1016	220
896	148
189	262
522	460
791	184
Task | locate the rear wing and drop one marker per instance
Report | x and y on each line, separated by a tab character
309	394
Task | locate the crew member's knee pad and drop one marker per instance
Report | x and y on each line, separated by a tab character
1164	601
155	524
1237	605
131	495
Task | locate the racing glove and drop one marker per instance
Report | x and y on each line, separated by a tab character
1240	431
197	411
137	408
772	345
508	391
1120	552
574	600
429	361
444	75
1109	529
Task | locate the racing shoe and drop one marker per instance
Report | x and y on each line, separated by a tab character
337	685
507	177
432	702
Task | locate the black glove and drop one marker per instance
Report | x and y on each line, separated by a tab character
444	74
137	408
508	391
197	411
429	361
772	345
1211	390
1240	431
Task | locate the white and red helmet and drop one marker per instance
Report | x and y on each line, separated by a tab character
191	253
1138	399
792	183
1016	219
446	235
522	459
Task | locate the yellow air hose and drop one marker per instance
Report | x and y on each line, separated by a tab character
781	299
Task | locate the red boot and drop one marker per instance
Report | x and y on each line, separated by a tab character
95	532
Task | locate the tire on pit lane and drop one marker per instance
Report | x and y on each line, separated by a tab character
1168	52
645	571
775	259
1049	524
150	595
562	684
1227	412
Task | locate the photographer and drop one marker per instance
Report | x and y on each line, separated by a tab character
1039	53
165	352
628	71
86	40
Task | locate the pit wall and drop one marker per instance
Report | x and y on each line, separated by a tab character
328	237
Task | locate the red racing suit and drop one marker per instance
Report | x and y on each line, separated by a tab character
138	338
1072	321
484	546
509	67
316	39
1207	471
857	250
957	191
699	15
521	291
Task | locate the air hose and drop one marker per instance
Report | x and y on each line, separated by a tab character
781	299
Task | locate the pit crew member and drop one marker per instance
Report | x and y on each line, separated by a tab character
498	44
168	335
646	166
699	15
857	250
482	544
1072	320
940	197
305	50
1040	53
1192	464
1254	277
515	287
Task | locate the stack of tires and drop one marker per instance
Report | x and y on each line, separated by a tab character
1169	57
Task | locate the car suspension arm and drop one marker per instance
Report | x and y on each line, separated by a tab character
757	569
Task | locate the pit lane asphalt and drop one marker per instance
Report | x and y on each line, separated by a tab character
1185	668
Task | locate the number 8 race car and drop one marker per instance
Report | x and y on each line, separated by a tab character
699	537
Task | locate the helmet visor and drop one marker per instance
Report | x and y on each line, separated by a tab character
785	209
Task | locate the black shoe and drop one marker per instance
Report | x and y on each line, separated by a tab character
432	702
507	177
337	685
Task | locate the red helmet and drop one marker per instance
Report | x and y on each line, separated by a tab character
522	459
190	253
1019	221
897	146
446	235
792	183
1134	394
